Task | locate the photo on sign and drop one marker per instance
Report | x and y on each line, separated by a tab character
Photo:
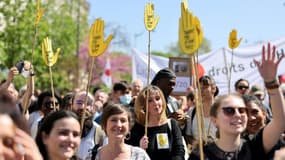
182	70
179	65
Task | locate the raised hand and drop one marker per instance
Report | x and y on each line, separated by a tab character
97	45
49	56
27	148
40	12
149	21
267	67
233	42
188	35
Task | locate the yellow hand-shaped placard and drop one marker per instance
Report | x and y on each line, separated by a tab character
97	45
188	35
40	12
149	21
199	29
185	4
233	42
49	56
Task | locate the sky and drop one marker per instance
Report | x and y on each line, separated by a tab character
255	20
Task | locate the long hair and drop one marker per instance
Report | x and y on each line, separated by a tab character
140	104
47	126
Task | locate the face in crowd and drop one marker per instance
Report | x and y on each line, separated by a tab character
48	105
256	112
229	114
59	135
242	86
137	86
156	104
101	96
78	104
208	87
166	85
116	121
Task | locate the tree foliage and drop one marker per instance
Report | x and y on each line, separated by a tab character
59	23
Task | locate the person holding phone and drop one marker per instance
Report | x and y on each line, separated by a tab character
24	68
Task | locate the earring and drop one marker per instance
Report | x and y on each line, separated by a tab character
128	136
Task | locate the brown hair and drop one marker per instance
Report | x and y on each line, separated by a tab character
140	104
113	109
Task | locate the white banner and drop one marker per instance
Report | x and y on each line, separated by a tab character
216	64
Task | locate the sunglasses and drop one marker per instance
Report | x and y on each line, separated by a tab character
242	87
50	104
230	111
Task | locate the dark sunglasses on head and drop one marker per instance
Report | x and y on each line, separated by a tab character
243	87
230	111
50	104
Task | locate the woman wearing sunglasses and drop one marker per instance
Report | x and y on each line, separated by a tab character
229	115
242	86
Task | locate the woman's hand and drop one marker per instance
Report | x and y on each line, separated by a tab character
267	67
27	147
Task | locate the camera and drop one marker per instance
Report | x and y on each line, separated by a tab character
20	66
24	71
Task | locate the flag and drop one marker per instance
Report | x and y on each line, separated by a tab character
106	77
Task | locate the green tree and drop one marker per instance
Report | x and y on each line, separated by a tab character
59	23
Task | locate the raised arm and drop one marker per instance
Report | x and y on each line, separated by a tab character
267	68
30	89
12	72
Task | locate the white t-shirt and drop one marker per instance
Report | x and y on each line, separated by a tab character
34	119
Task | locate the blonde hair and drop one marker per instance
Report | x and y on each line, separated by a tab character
140	104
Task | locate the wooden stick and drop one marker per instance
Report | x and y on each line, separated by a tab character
147	91
199	106
230	70
86	96
226	65
34	42
52	89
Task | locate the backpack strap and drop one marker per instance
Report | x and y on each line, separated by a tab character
169	124
94	151
193	112
193	115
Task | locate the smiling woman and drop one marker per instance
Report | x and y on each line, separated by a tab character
59	136
116	122
228	114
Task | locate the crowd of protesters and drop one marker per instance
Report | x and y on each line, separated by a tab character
139	122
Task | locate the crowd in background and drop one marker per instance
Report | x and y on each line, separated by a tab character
98	125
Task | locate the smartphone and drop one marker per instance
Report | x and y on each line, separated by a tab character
20	66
